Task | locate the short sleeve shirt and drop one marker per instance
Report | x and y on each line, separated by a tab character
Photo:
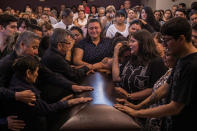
95	53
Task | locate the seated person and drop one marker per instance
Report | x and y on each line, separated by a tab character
94	51
26	72
54	57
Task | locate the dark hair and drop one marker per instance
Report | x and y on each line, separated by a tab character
147	48
176	27
21	20
182	4
137	22
5	19
92	21
194	26
182	10
34	27
66	12
194	6
170	13
94	7
193	12
77	28
158	36
22	64
151	18
120	13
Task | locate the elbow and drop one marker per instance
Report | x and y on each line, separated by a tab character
177	108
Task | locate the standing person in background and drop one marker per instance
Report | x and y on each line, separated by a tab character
132	15
66	21
93	11
127	6
101	13
109	19
174	8
85	4
119	26
193	16
147	17
81	21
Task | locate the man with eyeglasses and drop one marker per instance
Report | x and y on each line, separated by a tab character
180	88
9	28
54	57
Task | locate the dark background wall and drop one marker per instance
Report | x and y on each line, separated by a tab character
20	4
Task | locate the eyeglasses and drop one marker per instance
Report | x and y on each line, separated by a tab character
166	40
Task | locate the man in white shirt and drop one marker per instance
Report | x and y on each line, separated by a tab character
67	20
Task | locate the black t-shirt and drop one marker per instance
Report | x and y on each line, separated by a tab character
183	84
136	78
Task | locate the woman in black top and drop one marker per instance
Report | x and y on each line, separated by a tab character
145	66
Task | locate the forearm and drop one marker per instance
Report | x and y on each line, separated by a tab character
155	96
115	69
140	94
161	111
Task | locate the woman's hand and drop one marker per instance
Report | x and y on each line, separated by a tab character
122	92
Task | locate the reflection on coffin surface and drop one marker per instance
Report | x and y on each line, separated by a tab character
99	114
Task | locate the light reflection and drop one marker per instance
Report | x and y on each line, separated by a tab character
99	94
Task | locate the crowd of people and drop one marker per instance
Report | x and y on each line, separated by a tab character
150	55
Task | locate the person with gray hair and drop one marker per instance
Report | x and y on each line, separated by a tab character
27	44
54	57
67	20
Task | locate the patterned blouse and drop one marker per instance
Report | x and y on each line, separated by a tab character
159	124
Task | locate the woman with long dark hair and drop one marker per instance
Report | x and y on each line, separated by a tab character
147	17
145	66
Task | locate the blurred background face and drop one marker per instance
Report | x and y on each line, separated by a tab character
179	14
101	12
157	15
167	14
143	14
10	29
23	27
94	30
120	19
81	14
77	35
131	14
127	4
93	9
133	28
193	18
